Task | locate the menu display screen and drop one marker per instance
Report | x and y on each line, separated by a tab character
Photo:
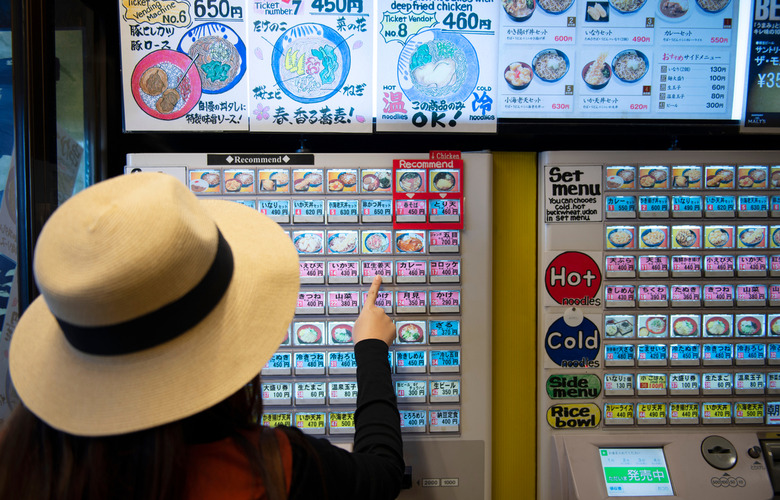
635	472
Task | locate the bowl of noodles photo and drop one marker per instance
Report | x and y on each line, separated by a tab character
310	62
627	6
219	54
550	65
596	74
518	75
630	65
160	86
519	10
713	6
554	6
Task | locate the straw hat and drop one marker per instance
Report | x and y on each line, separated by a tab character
155	306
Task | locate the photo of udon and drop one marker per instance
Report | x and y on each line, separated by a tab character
630	65
217	60
438	68
310	62
555	6
550	65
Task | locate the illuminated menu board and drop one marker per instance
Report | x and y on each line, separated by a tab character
762	103
638	59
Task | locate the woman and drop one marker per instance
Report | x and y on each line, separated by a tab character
137	367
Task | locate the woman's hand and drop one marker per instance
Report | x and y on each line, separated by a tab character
373	323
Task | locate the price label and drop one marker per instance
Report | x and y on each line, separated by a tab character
411	300
775	264
445	271
750	353
653	264
618	295
651	383
443	241
753	205
683	383
751	294
756	264
685	352
373	210
686	264
652	294
715	353
716	411
686	411
342	392
619	354
384	299
444	420
277	393
413	421
310	362
343	271
686	294
310	301
721	382
621	207
340	300
719	205
686	206
445	300
313	423
651	353
774	300
341	362
444	210
308	210
618	413
749	383
410	361
647	413
310	392
277	210
342	211
653	204
773	413
617	384
718	293
411	391
445	391
719	263
373	268
276	419
342	422
444	330
312	271
279	364
445	361
620	263
752	411
410	210
411	271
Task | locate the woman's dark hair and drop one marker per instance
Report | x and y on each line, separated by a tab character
39	462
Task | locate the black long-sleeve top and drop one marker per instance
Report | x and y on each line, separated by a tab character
375	467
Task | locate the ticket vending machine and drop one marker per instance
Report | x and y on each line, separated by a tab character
659	327
425	226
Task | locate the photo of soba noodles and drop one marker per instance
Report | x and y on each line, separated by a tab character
550	65
713	5
310	62
630	65
627	6
555	6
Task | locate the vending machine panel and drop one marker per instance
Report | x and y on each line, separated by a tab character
421	222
